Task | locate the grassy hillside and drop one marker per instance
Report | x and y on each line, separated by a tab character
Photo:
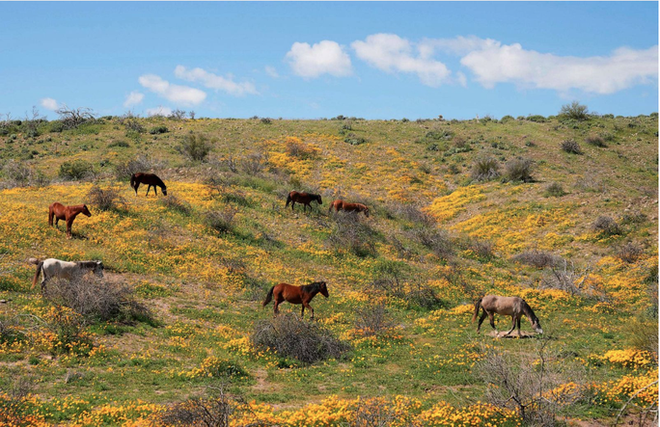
576	238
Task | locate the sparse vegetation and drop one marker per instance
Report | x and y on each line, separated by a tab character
575	111
571	146
485	169
195	147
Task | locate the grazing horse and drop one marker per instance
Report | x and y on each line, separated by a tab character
295	295
507	306
147	178
349	207
52	267
66	213
303	198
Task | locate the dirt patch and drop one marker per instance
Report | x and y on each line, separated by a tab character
514	334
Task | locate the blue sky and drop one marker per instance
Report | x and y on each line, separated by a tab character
312	60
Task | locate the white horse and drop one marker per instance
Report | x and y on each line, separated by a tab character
52	267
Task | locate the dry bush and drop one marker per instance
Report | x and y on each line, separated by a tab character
629	252
20	175
537	258
606	226
595	140
297	148
219	410
173	203
482	248
196	147
373	320
253	164
485	169
528	384
438	241
412	213
571	146
352	234
633	218
71	118
105	199
98	299
570	279
291	337
519	170
142	163
554	190
376	412
221	221
390	279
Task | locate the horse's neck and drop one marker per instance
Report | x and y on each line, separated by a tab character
75	210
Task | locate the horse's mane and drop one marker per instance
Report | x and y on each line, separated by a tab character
159	181
528	311
312	287
87	264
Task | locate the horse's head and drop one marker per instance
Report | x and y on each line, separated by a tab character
323	288
98	268
86	211
318	198
366	211
536	324
165	191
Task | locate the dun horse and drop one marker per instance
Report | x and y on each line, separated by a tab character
67	213
507	306
52	267
150	179
295	295
349	207
303	198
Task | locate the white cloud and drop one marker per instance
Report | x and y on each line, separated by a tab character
159	111
497	63
183	95
133	98
271	71
391	53
213	81
49	104
325	57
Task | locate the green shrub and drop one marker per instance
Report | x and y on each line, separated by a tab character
519	170
595	140
485	169
195	147
353	139
158	129
571	146
554	190
536	118
76	170
104	199
606	226
119	144
575	111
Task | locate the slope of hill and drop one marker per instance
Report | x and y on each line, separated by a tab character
576	237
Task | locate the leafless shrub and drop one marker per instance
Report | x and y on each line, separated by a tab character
571	146
606	226
97	298
142	163
570	279
297	148
485	169
292	337
172	202
253	164
220	410
132	123
595	140
412	213
632	218
528	385
177	115
353	234
105	199
591	182
376	412
482	248
373	320
18	175
554	190
537	258
519	170
390	280
71	118
438	241
629	252
221	221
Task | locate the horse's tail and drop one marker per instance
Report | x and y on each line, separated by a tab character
288	200
477	305
269	297
36	274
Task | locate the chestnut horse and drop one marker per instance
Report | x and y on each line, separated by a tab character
147	178
303	198
66	213
295	295
349	207
507	306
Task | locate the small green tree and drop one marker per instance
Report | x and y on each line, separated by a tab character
195	146
575	111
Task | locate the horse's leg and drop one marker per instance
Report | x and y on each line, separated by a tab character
50	218
302	312
148	188
69	223
481	320
156	189
513	325
518	324
311	309
492	320
293	203
137	185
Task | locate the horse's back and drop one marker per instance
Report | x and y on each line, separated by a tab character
59	268
500	304
291	293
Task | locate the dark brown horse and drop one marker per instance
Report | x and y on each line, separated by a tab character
295	295
150	179
66	213
303	198
340	205
508	306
